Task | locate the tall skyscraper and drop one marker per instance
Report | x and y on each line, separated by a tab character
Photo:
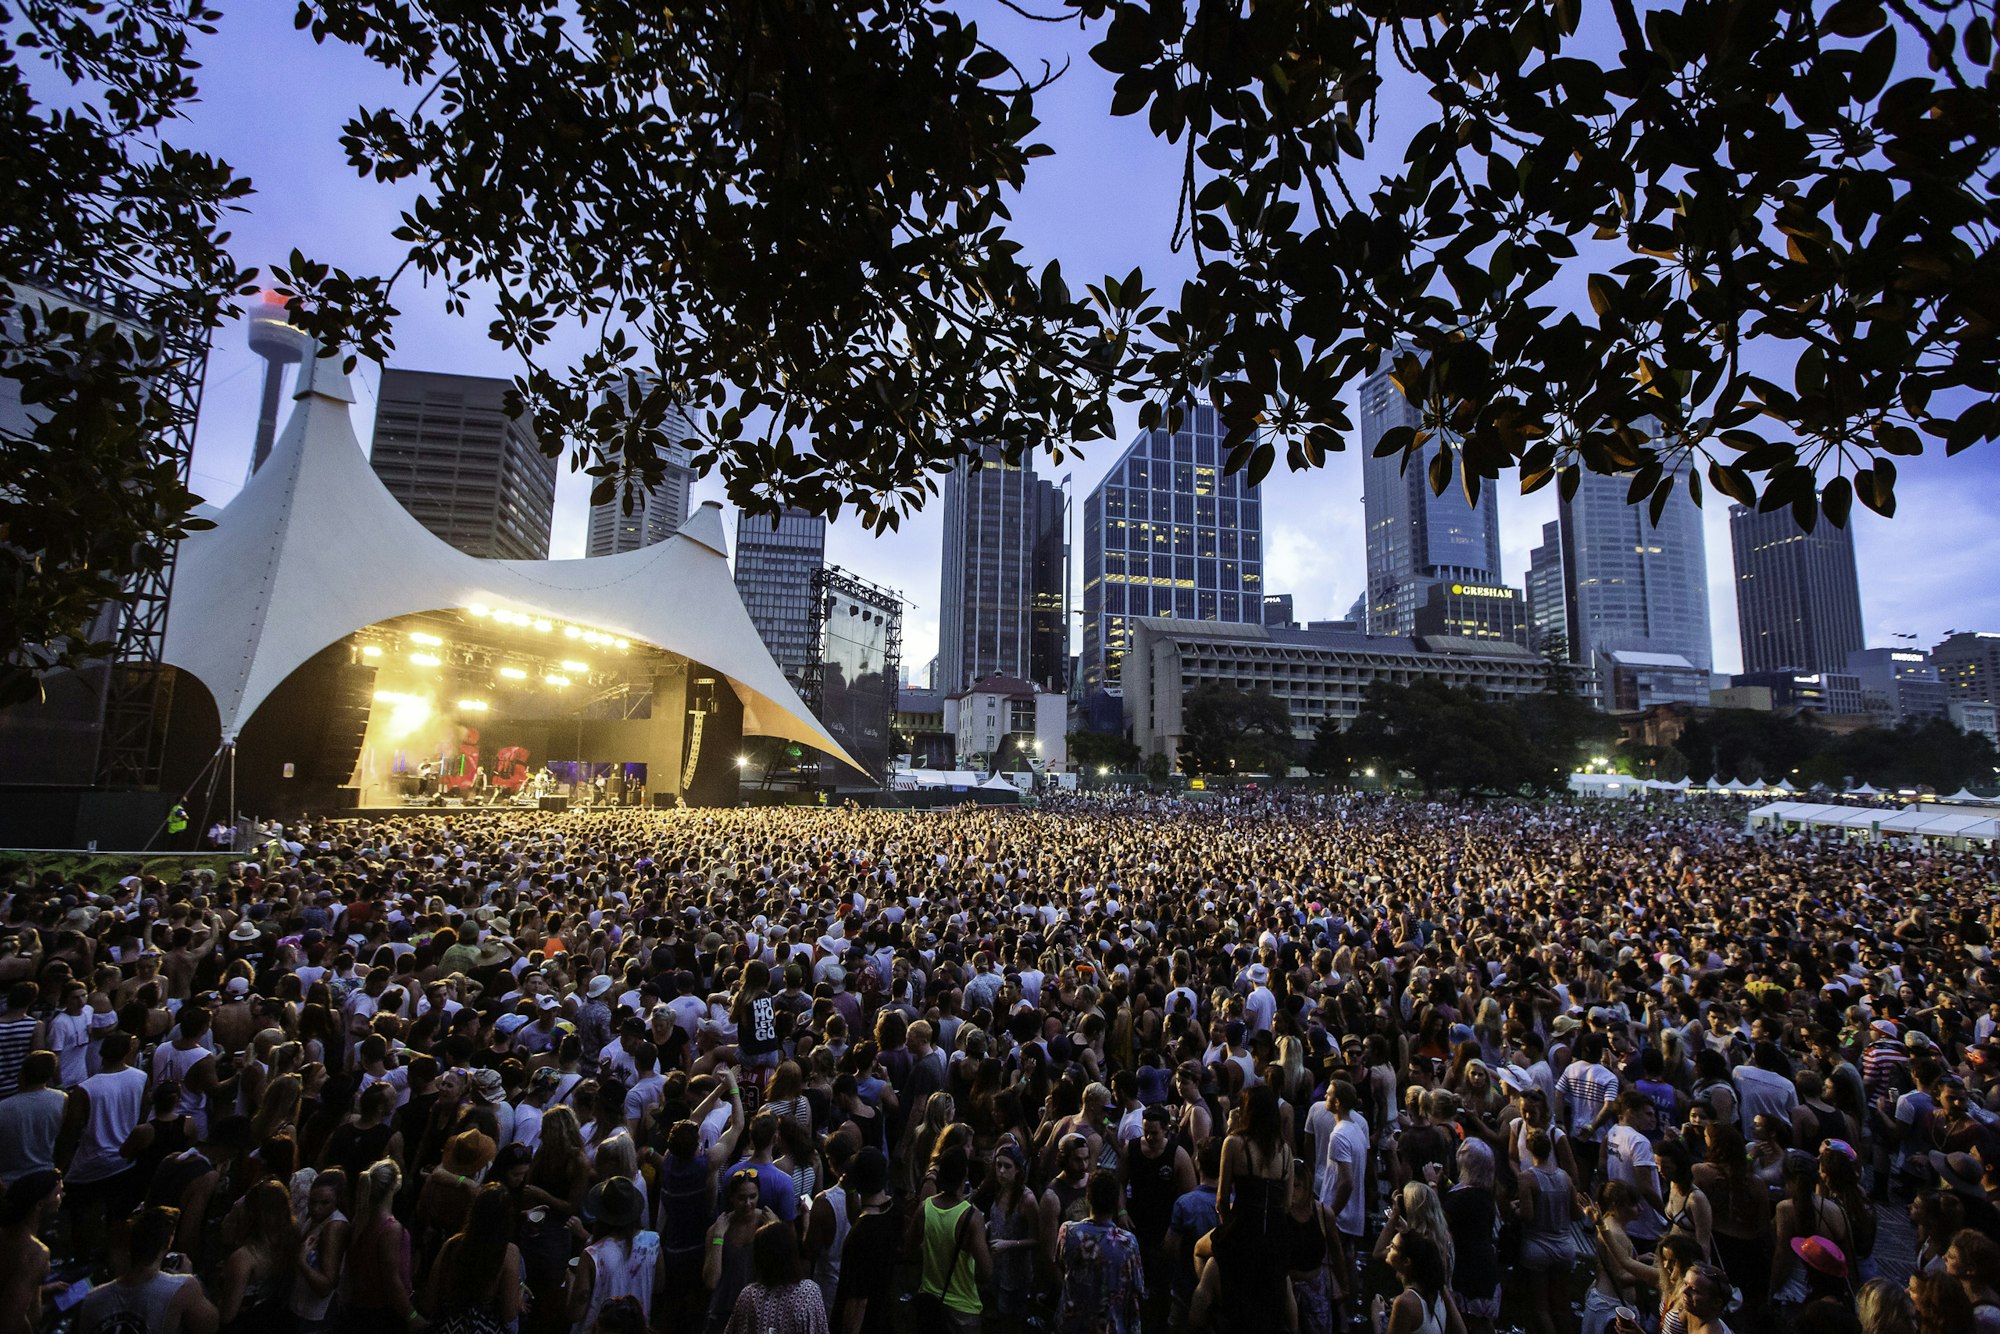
445	447
999	611
1629	585
1416	540
656	514
1168	533
1798	599
1547	611
774	570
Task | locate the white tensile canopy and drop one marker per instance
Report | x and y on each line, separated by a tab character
1863	791
1815	815
314	548
1930	822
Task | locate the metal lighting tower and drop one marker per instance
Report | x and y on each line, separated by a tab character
273	338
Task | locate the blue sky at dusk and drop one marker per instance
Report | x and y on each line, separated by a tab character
273	104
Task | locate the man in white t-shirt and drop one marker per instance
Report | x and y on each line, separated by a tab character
1628	1157
1344	1184
1260	1007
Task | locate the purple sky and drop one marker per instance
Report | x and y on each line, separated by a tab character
274	102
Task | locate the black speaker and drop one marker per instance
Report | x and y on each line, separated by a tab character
554	803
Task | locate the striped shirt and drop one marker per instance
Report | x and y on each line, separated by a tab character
17	1039
1883	1065
1588	1088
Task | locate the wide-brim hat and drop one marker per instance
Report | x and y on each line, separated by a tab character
1822	1253
614	1203
1960	1171
244	932
491	955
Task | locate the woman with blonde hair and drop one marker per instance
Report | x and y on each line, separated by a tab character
1416	1209
1884	1308
277	1113
448	1192
257	1277
940	1113
378	1282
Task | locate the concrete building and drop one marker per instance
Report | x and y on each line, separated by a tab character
1001	606
1416	539
1548	612
656	514
1000	718
1473	611
1632	681
1968	663
1628	583
445	447
774	571
1169	533
1798	599
1319	674
1808	692
1976	715
1898	685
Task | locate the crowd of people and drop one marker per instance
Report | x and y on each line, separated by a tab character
1115	1065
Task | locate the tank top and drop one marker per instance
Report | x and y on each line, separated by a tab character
1551	1202
1433	1315
117	1101
1150	1193
624	1269
760	1036
172	1062
686	1205
826	1269
1308	1248
943	1245
17	1039
1070	1206
307	1305
120	1306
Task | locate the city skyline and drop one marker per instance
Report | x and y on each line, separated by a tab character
1089	205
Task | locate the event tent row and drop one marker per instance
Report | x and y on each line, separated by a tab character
1920	821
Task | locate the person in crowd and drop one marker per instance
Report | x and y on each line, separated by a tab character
376	1289
258	1275
1102	1273
1465	1012
153	1291
322	1253
476	1284
780	1297
622	1256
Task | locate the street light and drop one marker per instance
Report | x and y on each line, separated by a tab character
742	761
1104	771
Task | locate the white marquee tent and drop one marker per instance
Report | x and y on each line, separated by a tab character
314	549
1815	815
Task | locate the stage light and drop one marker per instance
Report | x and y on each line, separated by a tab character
621	644
514	673
1103	771
418	636
472	705
556	680
572	665
479	609
371	650
571	632
426	659
544	626
407	713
